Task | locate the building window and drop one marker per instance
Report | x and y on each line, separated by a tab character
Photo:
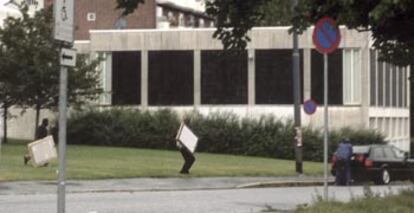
387	85
373	78
91	17
181	20
170	78
352	76
380	82
274	79
223	77
394	86
126	78
334	77
32	2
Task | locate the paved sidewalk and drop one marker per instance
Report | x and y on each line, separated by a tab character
156	184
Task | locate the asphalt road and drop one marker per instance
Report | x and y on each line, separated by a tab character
226	201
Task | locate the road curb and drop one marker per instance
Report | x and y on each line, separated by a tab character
282	184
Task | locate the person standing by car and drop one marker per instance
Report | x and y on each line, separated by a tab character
343	160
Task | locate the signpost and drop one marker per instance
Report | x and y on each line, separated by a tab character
310	106
68	57
296	100
326	38
63	31
63	14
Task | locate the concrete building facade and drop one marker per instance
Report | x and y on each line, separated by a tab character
186	69
363	93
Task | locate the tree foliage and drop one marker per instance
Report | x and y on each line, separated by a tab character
30	65
391	22
128	6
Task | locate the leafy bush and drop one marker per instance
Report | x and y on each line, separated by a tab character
117	127
218	133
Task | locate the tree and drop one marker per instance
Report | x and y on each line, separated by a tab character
390	21
32	60
10	81
277	13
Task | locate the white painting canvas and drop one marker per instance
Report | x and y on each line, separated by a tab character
42	151
187	138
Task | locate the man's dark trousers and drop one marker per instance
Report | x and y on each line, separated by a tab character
188	158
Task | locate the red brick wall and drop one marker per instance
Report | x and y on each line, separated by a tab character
106	15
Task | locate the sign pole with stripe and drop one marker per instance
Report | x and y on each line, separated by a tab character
326	38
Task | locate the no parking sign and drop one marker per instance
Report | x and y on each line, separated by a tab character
326	38
326	35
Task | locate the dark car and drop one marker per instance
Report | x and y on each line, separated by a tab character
379	163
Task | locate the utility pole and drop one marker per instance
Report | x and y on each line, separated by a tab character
296	94
63	32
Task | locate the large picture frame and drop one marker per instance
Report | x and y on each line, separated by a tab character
187	138
42	151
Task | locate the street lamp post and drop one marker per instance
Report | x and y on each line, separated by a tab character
296	99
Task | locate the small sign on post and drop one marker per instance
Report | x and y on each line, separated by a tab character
326	36
310	106
68	57
63	13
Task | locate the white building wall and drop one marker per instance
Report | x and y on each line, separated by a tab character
392	122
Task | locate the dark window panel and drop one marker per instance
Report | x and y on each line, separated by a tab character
170	78
274	78
373	67
223	77
380	84
126	78
335	82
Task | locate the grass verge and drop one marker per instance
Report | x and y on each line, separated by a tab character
91	162
401	203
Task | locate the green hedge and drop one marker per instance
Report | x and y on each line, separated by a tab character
217	132
130	128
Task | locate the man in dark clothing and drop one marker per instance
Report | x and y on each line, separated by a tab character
41	132
188	159
343	161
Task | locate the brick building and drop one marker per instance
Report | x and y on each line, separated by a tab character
103	15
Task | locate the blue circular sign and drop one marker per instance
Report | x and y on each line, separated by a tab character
326	36
310	106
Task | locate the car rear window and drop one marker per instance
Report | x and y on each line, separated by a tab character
389	152
377	153
360	149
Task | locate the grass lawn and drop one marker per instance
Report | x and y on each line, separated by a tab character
402	203
92	162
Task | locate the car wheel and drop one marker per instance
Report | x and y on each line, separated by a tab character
385	177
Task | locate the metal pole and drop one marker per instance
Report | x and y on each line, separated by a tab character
62	137
325	144
296	100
